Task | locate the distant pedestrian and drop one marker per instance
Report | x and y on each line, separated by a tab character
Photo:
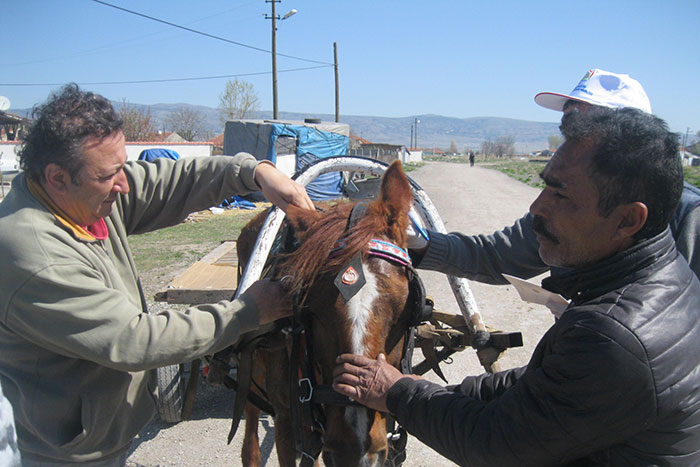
471	158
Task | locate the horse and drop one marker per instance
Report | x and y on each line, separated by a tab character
354	285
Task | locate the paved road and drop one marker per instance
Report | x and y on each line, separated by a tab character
469	199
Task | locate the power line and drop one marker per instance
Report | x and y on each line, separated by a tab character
165	80
205	34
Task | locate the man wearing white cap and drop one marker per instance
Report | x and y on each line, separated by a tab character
614	381
599	87
514	250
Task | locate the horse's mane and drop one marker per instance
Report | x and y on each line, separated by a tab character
326	233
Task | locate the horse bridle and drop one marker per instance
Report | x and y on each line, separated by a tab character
307	397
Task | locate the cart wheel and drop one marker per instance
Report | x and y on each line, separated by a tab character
172	382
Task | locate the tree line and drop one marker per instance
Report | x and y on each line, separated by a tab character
237	101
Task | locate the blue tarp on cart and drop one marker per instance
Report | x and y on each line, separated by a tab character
307	142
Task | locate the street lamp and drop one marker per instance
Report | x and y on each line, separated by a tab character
414	133
274	17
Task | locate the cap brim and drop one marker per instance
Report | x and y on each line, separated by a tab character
553	100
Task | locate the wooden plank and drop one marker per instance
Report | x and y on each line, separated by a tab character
211	279
222	254
206	276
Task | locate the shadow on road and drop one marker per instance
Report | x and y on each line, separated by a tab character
211	402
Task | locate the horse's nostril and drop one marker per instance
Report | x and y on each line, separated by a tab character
373	459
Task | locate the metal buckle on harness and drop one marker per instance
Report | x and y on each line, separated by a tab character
303	397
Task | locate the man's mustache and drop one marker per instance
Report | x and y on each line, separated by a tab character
539	228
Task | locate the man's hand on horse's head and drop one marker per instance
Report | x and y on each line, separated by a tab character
271	299
366	380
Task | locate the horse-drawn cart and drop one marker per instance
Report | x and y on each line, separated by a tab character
438	338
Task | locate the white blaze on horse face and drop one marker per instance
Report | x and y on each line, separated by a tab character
359	311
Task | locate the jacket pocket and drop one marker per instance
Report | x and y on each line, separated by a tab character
86	416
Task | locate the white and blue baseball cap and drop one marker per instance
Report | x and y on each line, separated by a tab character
600	87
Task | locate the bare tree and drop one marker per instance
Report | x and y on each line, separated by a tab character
453	147
239	100
138	123
555	141
187	122
504	146
487	147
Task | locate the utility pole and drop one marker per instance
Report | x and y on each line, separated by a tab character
273	17
415	132
337	91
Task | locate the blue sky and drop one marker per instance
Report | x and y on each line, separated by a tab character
396	58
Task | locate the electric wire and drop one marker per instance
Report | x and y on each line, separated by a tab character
166	80
207	34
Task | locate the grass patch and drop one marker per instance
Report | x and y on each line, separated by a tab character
189	240
527	171
411	166
164	253
692	175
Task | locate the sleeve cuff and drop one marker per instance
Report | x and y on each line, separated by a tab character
246	170
435	254
258	164
394	396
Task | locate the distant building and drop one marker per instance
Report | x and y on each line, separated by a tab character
218	144
12	126
386	152
690	159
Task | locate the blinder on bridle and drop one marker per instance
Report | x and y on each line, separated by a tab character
351	278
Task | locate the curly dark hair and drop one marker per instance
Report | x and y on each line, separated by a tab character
60	128
635	158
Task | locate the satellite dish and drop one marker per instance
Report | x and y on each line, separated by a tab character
4	103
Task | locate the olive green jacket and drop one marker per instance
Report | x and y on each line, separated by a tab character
76	344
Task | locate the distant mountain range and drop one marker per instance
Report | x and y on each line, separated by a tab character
433	130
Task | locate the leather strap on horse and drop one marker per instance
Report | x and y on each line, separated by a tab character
397	438
244	376
308	435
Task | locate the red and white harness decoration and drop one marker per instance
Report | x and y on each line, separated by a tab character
389	251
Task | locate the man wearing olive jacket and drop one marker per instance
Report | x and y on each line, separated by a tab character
76	341
615	380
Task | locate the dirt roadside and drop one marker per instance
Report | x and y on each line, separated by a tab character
470	200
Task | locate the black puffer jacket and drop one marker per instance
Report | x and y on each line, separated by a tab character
615	381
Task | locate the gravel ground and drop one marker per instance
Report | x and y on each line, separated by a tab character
470	200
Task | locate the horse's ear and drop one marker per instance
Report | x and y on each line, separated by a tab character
396	194
301	219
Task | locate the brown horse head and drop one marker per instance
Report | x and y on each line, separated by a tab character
370	320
